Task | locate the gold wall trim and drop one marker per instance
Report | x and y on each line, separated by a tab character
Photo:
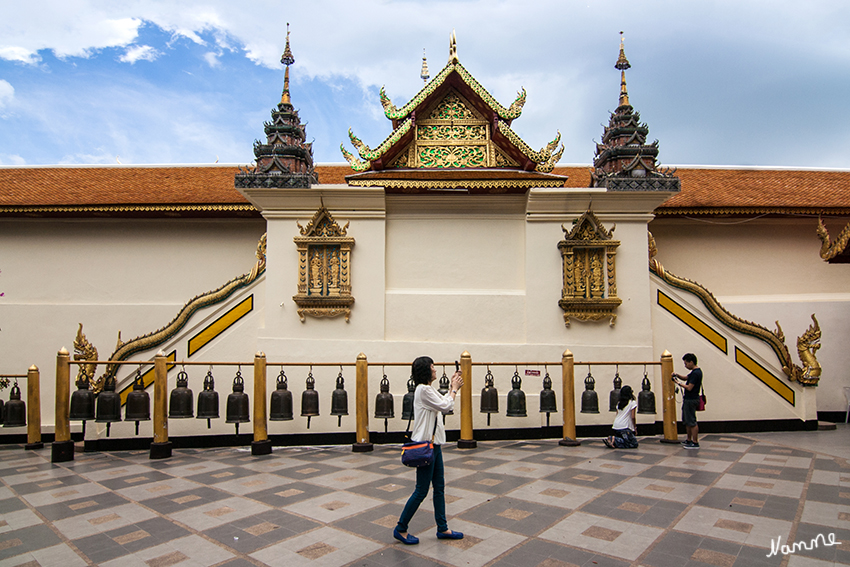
709	211
760	372
454	184
147	377
127	209
692	321
220	325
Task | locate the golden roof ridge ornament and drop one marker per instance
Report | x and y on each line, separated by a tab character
423	74
286	59
623	64
453	48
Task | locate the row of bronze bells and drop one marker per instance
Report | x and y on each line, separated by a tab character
14	412
516	397
106	406
590	399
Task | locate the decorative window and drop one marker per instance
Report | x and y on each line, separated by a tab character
324	272
590	285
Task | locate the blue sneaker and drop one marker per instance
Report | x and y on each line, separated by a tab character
692	445
407	540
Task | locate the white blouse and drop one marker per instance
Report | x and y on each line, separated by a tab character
427	405
624	417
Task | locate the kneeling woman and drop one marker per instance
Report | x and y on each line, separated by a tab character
428	404
623	434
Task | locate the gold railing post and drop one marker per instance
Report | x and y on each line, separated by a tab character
466	441
361	407
262	445
568	387
33	409
63	448
668	393
161	446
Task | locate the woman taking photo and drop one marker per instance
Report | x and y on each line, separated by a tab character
428	404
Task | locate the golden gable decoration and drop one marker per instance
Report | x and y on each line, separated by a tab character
590	285
324	270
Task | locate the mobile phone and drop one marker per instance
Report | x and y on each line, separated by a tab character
457	366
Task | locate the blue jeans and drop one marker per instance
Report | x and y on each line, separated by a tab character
432	474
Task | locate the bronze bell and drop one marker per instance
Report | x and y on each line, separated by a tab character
108	404
407	401
208	400
237	403
516	397
444	389
310	399
547	398
15	410
489	396
589	398
384	403
1	411
646	398
339	399
138	405
182	398
614	397
82	401
280	405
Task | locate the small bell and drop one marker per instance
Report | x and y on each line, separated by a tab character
547	398
138	405
646	398
280	406
2	411
407	401
208	400
614	397
444	389
310	399
180	404
15	410
237	403
339	399
82	401
516	397
489	396
589	398
108	404
384	403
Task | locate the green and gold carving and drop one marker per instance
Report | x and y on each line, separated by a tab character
588	252
452	156
828	249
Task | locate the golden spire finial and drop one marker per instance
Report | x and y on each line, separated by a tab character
287	59
423	74
622	64
453	48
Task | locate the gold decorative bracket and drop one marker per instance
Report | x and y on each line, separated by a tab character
324	268
589	290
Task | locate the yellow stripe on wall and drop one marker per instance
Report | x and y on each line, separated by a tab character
692	321
764	375
220	325
147	377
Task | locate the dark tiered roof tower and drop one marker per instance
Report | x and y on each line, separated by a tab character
285	160
624	161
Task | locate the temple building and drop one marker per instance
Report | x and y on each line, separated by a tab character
453	234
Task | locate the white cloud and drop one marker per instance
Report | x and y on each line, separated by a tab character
212	59
139	53
7	93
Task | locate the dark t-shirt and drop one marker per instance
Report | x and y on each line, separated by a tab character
695	378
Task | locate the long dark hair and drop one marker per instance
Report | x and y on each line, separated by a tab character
420	370
626	395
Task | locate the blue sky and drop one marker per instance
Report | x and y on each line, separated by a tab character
142	82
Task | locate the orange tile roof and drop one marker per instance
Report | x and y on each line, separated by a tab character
210	187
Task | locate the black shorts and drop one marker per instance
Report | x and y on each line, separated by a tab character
689	412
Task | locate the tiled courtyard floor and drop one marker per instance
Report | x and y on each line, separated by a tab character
523	504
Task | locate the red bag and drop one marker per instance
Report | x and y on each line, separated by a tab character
701	404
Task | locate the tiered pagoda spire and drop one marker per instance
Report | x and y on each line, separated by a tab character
286	159
624	153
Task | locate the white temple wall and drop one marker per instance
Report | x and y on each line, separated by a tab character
769	270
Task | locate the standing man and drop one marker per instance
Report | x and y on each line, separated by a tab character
690	400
